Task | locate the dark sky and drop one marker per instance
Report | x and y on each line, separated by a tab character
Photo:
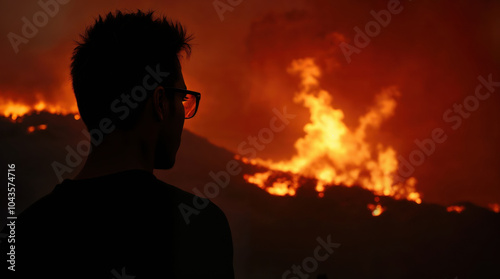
432	51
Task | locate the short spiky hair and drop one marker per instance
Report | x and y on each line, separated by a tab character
112	56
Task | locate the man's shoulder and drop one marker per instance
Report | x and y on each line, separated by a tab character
194	208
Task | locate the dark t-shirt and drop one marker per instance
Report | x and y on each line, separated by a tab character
119	226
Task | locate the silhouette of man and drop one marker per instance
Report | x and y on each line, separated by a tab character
115	219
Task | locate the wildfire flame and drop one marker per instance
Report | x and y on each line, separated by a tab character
40	127
495	207
455	208
330	152
376	209
13	110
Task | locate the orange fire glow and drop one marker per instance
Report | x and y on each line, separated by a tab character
455	208
330	152
376	209
495	207
40	127
13	110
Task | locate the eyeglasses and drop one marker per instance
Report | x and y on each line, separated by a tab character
190	101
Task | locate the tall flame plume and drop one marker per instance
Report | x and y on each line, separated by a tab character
330	152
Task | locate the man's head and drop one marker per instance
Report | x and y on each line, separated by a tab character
123	72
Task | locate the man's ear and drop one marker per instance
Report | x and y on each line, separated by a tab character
159	102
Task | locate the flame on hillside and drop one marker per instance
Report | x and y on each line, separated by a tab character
14	109
332	153
40	127
495	207
455	208
376	209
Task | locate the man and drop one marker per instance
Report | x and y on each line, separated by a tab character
115	219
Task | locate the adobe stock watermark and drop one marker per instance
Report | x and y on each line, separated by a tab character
372	29
247	148
310	264
30	28
455	117
223	6
122	107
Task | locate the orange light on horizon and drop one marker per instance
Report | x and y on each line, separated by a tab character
279	188
455	208
40	127
376	210
16	109
39	106
13	110
495	207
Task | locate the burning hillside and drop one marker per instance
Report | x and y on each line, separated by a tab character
332	153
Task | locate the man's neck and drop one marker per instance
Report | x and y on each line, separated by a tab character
117	156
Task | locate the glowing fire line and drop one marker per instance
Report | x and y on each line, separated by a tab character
14	110
455	208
